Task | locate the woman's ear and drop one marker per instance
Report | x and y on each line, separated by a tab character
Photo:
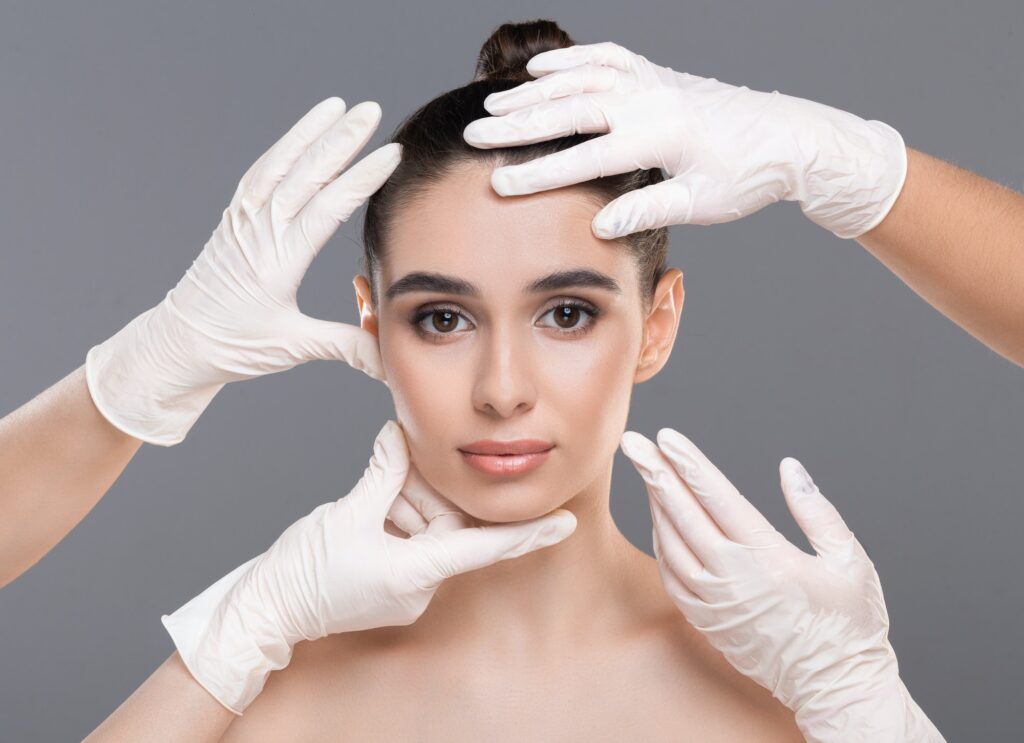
660	325
367	314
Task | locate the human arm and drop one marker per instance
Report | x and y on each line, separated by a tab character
957	239
232	316
812	629
169	706
728	151
338	569
58	456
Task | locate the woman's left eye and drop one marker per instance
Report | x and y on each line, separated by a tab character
567	316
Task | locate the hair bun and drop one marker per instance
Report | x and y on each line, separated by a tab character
505	53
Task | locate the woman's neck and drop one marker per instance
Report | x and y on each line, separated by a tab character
579	589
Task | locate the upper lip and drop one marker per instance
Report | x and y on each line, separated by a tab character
519	446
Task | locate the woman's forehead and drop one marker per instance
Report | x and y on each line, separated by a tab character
460	226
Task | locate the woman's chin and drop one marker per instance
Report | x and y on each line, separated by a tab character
504	504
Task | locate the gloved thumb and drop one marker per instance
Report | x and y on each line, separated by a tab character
658	205
461	550
817	517
386	473
335	341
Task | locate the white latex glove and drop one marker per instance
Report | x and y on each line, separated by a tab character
338	570
234	314
726	151
811	629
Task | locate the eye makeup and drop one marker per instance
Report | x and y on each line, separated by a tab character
564	309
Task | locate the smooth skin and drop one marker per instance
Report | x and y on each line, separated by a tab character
581	633
954	237
957	240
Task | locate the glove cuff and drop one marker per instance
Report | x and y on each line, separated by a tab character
856	174
227	657
132	384
881	713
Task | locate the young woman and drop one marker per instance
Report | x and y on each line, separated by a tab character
498	319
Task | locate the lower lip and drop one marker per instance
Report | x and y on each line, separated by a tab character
505	465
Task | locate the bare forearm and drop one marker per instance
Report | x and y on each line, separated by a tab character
957	239
169	706
58	456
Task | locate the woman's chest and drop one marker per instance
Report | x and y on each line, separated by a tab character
613	699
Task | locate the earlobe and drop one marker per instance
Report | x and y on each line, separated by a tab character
367	314
661	325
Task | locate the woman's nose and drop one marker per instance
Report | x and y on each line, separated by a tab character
505	383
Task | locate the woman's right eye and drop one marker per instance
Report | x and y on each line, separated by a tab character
437	321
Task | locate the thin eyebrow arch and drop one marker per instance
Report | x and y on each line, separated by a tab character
428	281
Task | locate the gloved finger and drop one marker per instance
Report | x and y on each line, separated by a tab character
602	53
737	517
335	341
438	513
685	513
588	160
325	158
670	548
263	176
385	474
682	595
658	205
405	516
549	120
816	516
561	84
341	197
453	552
695	199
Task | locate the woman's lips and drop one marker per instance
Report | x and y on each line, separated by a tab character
506	464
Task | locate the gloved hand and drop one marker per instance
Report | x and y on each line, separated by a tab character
338	570
234	314
726	151
811	629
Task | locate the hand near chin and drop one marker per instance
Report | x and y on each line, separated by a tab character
813	629
338	570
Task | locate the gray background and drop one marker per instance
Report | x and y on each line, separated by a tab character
125	129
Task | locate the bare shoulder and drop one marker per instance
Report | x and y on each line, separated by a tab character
714	696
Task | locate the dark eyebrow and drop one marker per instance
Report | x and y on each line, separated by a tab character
426	281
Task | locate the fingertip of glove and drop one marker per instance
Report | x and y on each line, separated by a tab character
370	110
631	443
795	473
566	521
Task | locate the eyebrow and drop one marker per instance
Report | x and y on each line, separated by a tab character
427	281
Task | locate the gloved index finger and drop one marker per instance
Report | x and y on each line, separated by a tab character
737	517
264	175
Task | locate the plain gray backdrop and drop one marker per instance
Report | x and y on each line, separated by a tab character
126	126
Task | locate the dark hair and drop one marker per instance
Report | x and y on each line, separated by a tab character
432	145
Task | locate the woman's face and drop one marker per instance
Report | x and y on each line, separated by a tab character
504	318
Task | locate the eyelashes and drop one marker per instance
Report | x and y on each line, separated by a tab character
453	314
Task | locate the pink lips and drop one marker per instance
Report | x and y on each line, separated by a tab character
505	458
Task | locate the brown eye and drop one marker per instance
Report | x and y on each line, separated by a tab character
566	315
444	320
